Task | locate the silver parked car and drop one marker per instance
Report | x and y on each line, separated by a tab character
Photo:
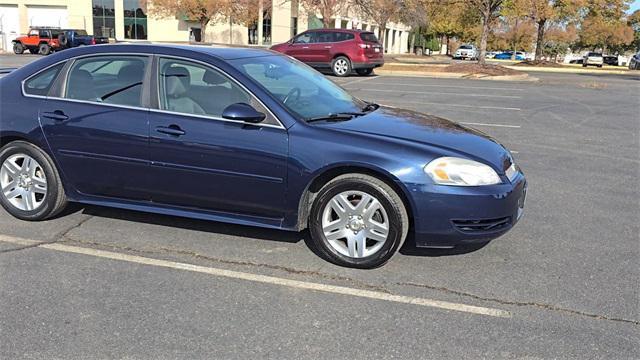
592	58
466	51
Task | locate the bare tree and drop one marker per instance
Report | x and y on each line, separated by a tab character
202	11
328	9
380	11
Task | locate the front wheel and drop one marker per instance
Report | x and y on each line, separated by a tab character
30	184
358	221
18	48
364	72
341	66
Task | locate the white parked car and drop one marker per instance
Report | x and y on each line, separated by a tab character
592	58
466	51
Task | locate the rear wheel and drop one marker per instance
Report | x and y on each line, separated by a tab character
341	66
18	48
364	72
358	221
44	49
30	185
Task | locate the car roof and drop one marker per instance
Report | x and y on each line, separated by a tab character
221	52
357	31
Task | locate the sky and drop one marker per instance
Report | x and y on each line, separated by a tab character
634	6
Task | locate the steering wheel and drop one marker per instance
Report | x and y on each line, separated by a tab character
293	93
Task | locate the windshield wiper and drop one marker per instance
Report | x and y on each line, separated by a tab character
370	107
341	116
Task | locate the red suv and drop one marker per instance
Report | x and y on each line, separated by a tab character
338	49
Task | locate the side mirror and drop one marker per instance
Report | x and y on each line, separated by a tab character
243	112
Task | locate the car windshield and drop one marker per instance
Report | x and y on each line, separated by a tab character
302	90
594	54
466	47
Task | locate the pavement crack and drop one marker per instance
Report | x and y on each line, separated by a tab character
193	254
544	306
64	233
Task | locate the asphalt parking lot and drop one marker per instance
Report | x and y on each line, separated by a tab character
107	283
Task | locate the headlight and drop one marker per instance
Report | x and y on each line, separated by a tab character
461	172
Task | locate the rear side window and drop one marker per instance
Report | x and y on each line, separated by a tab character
40	84
368	37
107	79
325	37
340	36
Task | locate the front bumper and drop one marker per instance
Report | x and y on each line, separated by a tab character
446	216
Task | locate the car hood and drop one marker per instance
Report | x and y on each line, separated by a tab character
429	130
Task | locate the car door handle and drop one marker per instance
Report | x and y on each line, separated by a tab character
57	115
327	47
170	130
305	47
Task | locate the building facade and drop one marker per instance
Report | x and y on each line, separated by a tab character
129	20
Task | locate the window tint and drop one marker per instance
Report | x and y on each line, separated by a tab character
369	37
107	79
340	36
305	38
44	33
325	37
191	88
42	82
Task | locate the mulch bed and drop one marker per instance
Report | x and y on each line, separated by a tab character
477	69
539	63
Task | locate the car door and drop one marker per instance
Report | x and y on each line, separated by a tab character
321	50
200	160
97	126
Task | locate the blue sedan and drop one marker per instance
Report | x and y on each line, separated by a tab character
251	137
507	56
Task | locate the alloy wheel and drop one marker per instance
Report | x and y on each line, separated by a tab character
23	182
355	224
341	66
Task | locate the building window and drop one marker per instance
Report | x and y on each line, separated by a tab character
135	19
266	28
294	26
104	23
253	33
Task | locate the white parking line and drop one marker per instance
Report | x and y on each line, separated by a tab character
439	93
451	86
494	125
341	290
456	105
356	81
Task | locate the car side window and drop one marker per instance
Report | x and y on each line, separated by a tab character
107	79
44	34
41	83
341	36
33	33
196	89
305	38
326	37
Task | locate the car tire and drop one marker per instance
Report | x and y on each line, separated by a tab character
18	48
44	49
41	180
364	72
356	240
599	66
584	65
341	66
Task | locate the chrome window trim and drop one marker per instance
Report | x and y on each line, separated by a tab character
150	55
159	56
23	82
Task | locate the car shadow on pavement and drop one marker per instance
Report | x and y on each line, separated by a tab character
213	227
408	249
